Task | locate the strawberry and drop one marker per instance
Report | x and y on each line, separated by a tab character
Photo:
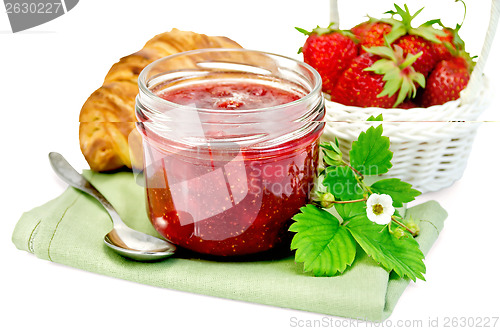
360	30
416	40
382	77
329	51
412	44
445	82
360	88
442	51
451	44
375	35
407	104
371	33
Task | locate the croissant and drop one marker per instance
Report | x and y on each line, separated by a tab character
107	119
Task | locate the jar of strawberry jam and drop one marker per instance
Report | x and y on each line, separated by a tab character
230	141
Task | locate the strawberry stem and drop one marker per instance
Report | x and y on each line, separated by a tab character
353	169
393	218
349	201
465	13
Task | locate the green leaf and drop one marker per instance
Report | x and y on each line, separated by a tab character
398	30
370	154
379	118
303	31
416	14
324	246
404	91
398	74
342	183
400	191
432	22
420	79
382	51
410	59
428	32
332	155
349	211
393	81
405	14
402	255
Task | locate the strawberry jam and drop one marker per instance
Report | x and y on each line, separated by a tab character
230	96
228	162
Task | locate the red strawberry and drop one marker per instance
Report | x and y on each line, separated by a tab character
329	51
416	40
445	82
411	40
360	88
408	104
371	33
359	30
451	44
382	77
415	44
442	51
375	35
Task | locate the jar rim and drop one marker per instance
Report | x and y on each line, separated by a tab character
143	88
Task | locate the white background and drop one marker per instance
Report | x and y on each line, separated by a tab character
48	72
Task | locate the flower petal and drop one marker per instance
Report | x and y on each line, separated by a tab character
383	200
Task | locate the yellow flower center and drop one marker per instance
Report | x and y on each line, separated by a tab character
378	209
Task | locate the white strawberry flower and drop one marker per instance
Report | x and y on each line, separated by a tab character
379	208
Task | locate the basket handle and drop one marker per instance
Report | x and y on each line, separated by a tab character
334	14
475	81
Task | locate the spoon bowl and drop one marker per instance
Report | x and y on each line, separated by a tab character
122	239
137	245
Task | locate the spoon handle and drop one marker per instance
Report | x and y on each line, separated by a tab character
69	175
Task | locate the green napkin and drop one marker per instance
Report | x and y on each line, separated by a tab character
70	230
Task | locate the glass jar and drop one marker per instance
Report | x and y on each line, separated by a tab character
224	174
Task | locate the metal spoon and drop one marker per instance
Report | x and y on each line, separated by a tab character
122	239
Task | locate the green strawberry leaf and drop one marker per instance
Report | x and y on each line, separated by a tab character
400	191
379	118
370	154
398	30
398	74
402	255
303	31
428	32
342	183
350	210
384	52
324	246
332	155
432	22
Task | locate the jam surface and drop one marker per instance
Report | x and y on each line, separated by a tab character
230	95
228	203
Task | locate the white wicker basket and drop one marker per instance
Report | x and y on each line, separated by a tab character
430	145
